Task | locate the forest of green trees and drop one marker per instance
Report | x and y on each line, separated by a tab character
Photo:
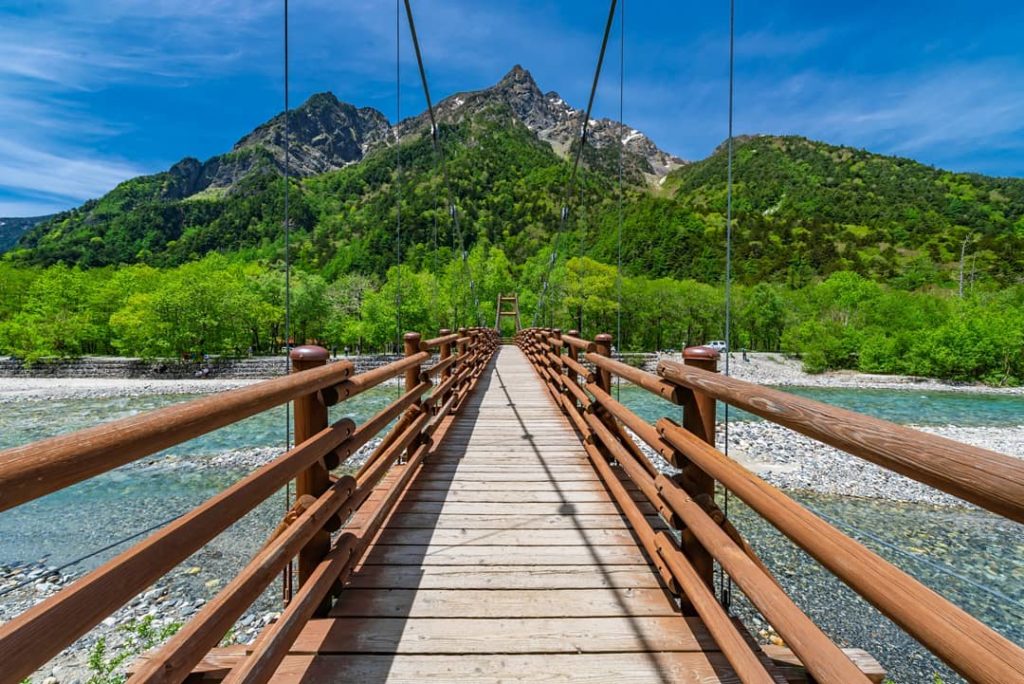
231	306
846	258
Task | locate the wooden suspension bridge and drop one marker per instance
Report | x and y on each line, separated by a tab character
508	528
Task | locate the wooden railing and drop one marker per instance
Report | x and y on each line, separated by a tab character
578	373
327	530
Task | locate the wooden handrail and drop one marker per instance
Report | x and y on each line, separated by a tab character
447	338
967	645
33	470
38	634
41	632
578	344
983	477
651	383
260	666
175	659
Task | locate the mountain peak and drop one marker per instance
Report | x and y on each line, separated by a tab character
324	134
517	75
324	99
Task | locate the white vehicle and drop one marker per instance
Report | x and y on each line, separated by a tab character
718	345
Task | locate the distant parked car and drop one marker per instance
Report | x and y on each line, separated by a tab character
718	345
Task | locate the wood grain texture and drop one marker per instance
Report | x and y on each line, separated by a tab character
440	554
589	668
524	537
503	635
502	603
486	521
983	477
966	644
503	577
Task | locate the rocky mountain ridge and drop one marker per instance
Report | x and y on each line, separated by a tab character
326	134
551	118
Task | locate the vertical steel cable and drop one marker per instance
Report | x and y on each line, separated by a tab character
439	151
567	194
725	587
622	152
286	577
398	177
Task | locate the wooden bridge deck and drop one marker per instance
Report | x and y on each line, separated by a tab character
506	560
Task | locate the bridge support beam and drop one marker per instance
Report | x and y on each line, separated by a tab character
311	418
699	419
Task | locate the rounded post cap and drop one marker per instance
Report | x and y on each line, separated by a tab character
309	352
445	331
573	333
700	354
411	337
603	338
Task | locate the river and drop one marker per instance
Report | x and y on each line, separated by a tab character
973	558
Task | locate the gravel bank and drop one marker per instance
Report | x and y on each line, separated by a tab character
776	369
792	461
177	596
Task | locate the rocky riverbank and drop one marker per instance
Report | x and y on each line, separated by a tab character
157	612
778	369
784	458
794	462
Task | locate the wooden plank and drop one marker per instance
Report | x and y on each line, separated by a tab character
504	635
589	668
509	537
499	496
493	474
503	577
494	555
502	603
468	508
507	522
547	470
474	485
795	672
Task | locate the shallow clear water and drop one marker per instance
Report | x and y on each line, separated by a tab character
913	407
79	519
952	550
972	558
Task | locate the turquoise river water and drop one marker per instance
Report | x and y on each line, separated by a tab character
973	558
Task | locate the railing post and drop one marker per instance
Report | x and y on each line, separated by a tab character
462	362
411	342
446	352
555	348
699	419
603	342
571	375
311	418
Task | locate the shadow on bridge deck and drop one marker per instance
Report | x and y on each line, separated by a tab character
506	560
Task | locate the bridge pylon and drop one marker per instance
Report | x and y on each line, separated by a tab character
508	307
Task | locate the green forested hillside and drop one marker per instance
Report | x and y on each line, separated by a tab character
805	208
849	258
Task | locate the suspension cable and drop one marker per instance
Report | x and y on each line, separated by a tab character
622	153
439	151
286	577
398	177
725	585
567	193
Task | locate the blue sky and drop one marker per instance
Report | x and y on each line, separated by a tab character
92	93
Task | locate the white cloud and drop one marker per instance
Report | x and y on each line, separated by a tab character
73	176
939	115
